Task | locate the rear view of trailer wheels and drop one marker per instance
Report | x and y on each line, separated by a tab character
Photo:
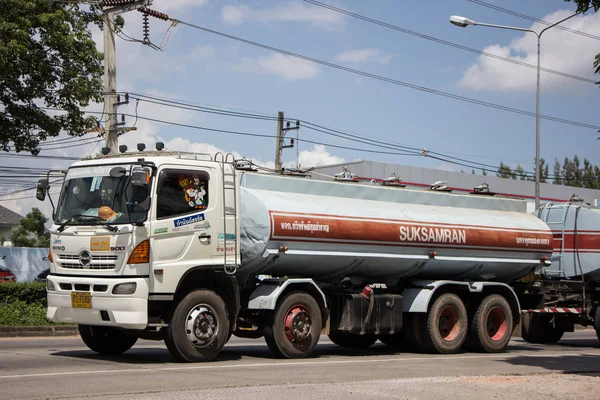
491	326
295	326
199	327
445	327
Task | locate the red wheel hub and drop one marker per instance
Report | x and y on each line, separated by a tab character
449	323
496	324
297	323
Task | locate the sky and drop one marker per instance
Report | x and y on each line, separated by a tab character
404	108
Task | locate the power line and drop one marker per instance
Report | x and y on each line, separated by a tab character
258	115
445	42
527	17
391	80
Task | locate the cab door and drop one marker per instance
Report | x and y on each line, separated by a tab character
183	215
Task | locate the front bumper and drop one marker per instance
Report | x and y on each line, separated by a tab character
124	311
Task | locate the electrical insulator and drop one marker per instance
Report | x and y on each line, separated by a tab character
146	29
154	13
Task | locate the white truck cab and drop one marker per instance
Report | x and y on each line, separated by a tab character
127	229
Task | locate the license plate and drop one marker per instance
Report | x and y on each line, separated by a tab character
81	299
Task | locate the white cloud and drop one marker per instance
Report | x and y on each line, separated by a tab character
315	157
364	56
235	15
287	67
560	50
292	11
167	6
208	51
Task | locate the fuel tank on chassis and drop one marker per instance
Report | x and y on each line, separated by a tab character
576	230
384	234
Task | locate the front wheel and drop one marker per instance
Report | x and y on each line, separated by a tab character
199	327
295	326
105	340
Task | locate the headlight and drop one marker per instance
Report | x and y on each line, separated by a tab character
50	286
125	288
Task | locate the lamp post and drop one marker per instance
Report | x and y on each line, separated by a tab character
463	23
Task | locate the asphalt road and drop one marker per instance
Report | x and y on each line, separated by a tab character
64	368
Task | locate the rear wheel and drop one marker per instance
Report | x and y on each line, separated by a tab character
491	326
105	340
352	340
295	327
446	327
541	329
199	327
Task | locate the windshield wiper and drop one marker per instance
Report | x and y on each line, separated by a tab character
106	225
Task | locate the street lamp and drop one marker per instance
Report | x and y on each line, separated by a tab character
463	23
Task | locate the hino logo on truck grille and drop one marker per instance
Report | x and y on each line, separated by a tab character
85	258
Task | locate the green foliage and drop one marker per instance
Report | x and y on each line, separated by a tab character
19	313
26	292
595	6
584	4
520	173
31	232
47	59
504	171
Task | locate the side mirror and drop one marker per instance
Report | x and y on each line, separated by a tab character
42	188
142	206
140	177
118	172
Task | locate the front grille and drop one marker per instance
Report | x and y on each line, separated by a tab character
105	261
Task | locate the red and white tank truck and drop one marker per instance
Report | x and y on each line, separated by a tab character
190	249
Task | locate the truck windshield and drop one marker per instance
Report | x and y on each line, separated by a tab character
93	193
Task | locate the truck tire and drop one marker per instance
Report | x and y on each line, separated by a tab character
539	329
105	340
199	327
295	326
446	325
491	326
353	340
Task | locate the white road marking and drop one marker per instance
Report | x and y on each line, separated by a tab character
213	366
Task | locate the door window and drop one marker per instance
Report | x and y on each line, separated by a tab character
181	192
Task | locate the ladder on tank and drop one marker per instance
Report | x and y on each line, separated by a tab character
562	223
230	261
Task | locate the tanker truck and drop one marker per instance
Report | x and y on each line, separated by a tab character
193	248
564	294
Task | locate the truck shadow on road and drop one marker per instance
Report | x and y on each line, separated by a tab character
568	363
258	350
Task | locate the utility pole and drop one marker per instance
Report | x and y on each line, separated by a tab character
281	131
110	9
279	144
110	83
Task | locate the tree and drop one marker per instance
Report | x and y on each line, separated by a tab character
483	172
31	232
47	60
589	179
557	180
504	171
544	171
589	5
520	172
